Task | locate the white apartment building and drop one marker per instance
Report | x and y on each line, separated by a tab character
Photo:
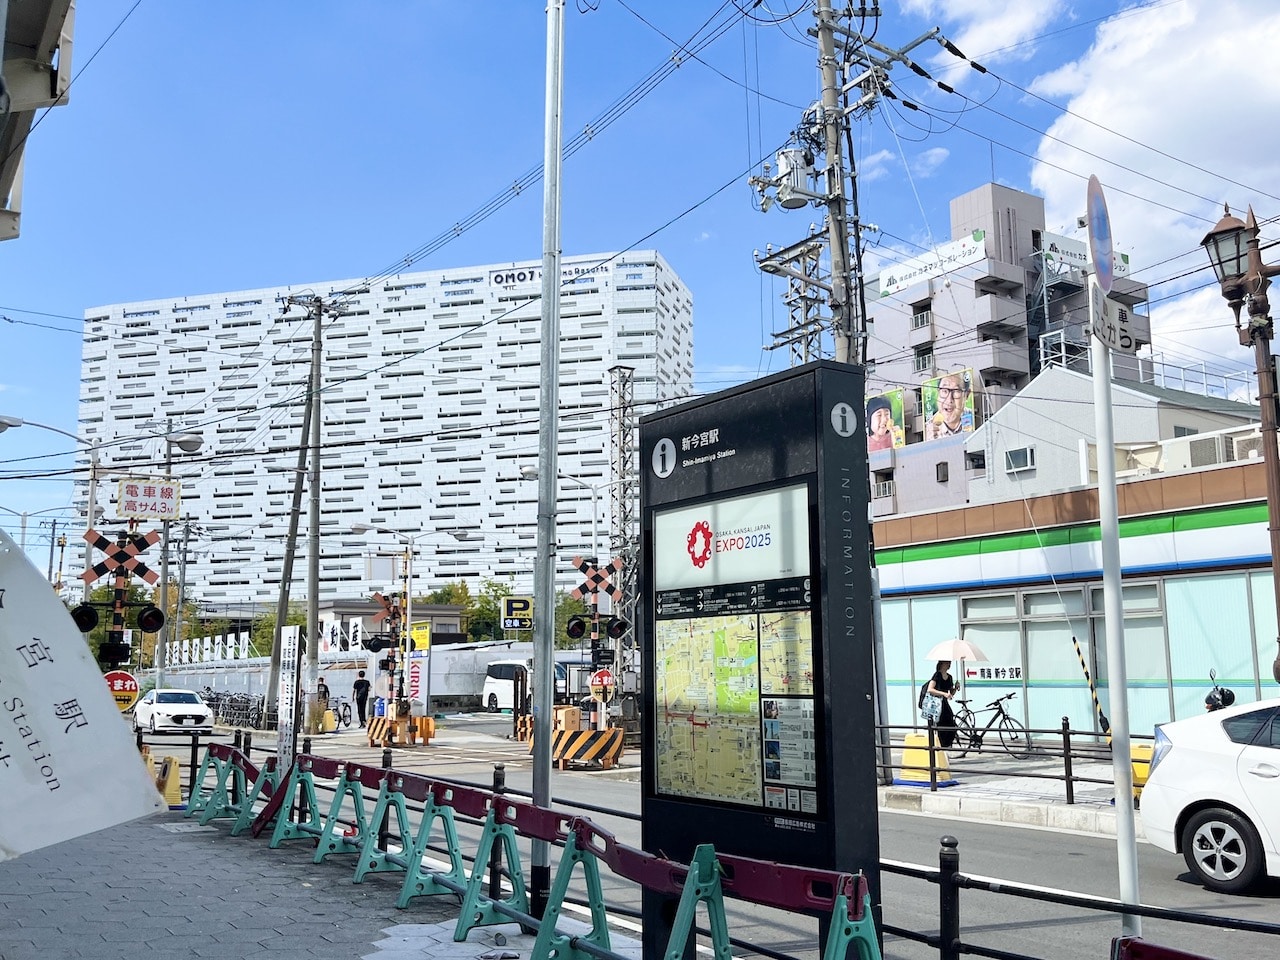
430	410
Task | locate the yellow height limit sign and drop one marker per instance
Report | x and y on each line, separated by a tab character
517	613
123	687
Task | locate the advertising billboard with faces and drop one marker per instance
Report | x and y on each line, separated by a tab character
948	405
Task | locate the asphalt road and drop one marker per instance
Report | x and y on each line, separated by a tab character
1057	860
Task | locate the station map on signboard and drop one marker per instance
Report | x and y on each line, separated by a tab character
786	653
708	704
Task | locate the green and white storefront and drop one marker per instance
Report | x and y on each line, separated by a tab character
1198	595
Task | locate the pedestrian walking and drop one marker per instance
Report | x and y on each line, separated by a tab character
360	691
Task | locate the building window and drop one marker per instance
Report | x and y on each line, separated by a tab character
1184	431
942	472
921	314
1019	459
924	358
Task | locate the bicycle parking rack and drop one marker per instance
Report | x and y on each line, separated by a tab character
843	897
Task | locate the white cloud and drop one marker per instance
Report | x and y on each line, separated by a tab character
992	31
1186	89
928	162
704	236
876	166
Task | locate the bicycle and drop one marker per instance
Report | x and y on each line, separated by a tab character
1013	735
341	711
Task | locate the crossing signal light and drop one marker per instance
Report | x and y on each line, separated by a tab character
616	628
576	627
376	643
150	619
85	617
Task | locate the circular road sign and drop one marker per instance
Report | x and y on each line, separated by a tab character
603	685
1100	250
123	687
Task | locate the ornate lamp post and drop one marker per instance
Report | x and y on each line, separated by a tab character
1233	251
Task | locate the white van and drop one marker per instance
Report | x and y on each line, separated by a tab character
500	684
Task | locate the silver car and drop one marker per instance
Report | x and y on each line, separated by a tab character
172	711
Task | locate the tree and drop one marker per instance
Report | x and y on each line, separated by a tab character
451	594
485	615
263	634
566	607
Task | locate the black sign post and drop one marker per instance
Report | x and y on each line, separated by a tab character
756	629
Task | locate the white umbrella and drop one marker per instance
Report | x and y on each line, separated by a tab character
955	649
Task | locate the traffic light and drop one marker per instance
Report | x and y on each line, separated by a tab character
150	619
85	617
576	627
616	628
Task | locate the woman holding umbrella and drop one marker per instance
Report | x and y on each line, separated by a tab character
943	686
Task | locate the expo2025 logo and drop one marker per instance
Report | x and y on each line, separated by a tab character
699	544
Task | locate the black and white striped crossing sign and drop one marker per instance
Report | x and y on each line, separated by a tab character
121	556
597	579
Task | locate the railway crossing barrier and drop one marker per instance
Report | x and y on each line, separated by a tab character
842	897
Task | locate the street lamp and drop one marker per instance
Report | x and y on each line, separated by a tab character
410	542
1232	246
188	443
23	515
530	472
91	508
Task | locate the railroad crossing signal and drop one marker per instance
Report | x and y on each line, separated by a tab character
597	579
390	612
121	555
122	559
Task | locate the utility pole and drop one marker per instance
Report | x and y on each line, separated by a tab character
823	129
290	548
53	541
182	584
833	121
850	64
313	532
316	307
158	659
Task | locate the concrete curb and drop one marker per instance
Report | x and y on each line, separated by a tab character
1075	818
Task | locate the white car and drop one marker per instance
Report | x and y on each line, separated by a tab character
172	711
1213	794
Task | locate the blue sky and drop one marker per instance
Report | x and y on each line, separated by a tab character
215	147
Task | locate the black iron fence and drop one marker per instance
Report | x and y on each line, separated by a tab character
1048	754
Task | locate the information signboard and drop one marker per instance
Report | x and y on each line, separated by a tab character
517	613
755	627
140	498
729	721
